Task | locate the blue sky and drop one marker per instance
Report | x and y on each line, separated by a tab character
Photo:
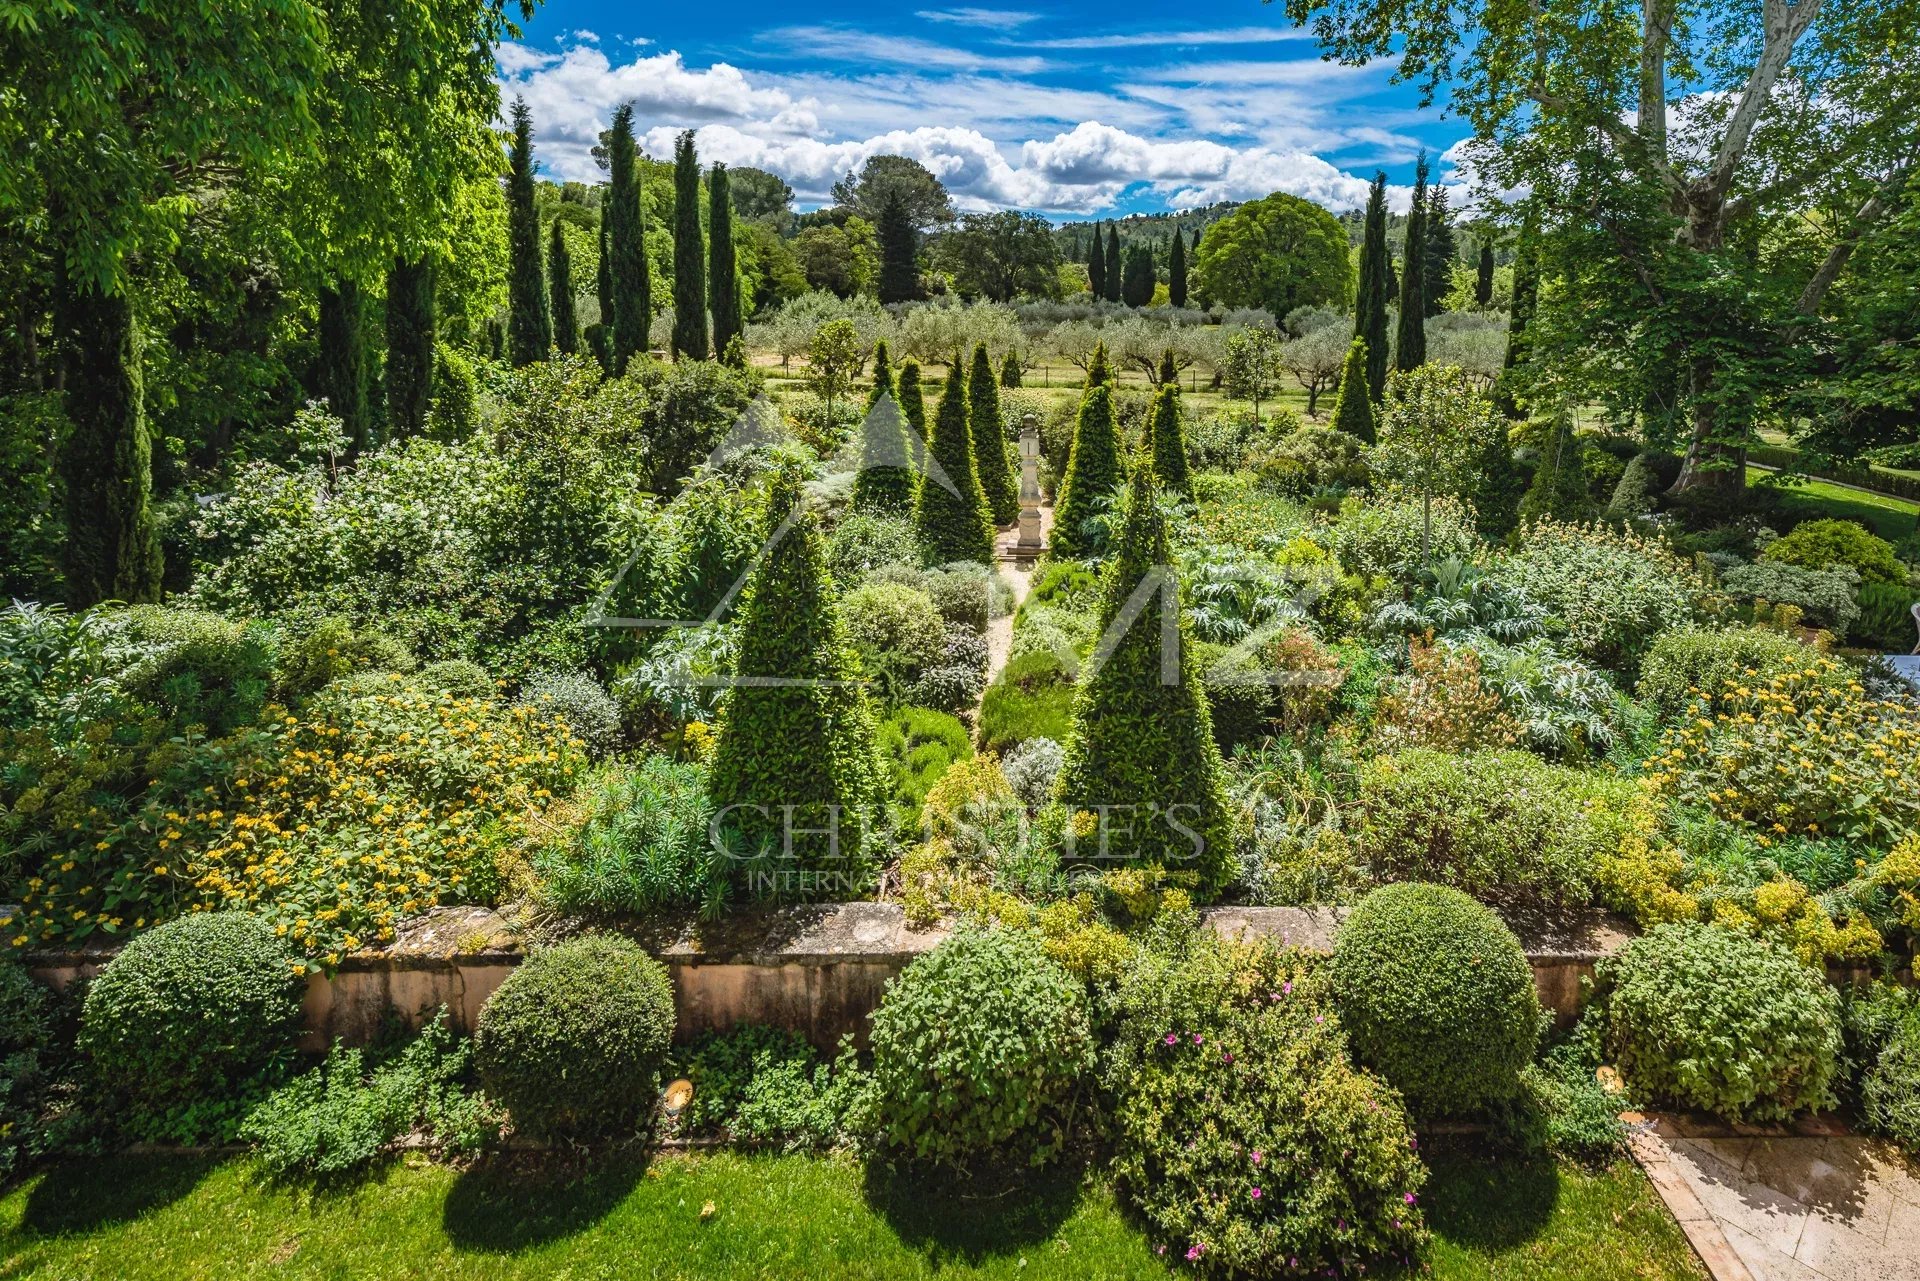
1073	109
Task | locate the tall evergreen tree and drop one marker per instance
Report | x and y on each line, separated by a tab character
1177	270
410	335
1483	283
723	283
629	312
1371	296
1115	266
1100	367
990	440
1010	371
796	758
950	513
889	468
566	328
1136	286
1526	292
913	403
1410	346
342	351
1169	440
1352	404
689	255
529	326
1440	251
1092	474
1097	265
899	250
1141	760
112	547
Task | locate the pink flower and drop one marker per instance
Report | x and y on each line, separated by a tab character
1198	1039
1258	1156
1194	1251
1319	1018
1228	1056
1162	1249
1256	1194
1408	1197
1287	987
1173	1038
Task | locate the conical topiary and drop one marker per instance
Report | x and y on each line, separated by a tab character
889	459
882	375
1093	473
796	777
950	511
1169	441
1352	406
990	440
913	405
1099	368
1559	488
1141	781
1010	371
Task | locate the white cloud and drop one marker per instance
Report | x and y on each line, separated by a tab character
849	44
993	19
1173	39
1004	139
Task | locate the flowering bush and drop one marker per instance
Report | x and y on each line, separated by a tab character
1697	663
1245	1137
1442	701
1797	754
1614	592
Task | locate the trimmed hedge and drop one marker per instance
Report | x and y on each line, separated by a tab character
950	512
1436	996
573	1042
1092	474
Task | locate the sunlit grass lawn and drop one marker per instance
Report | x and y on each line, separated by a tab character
772	1217
1891	518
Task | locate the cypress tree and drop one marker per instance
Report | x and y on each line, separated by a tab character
1352	406
1483	283
796	753
950	512
1097	265
723	281
1141	760
343	360
1498	484
1526	288
566	329
888	456
410	341
913	404
1177	270
1112	279
529	327
1410	348
1371	295
990	440
1136	289
1010	371
1170	441
689	255
1092	474
899	250
1559	488
1440	251
112	548
629	312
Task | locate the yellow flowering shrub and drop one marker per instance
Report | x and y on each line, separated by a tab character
1797	754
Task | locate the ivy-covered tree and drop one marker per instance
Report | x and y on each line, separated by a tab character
628	310
990	440
1439	250
1559	488
1093	474
1169	441
795	779
1177	270
1097	265
341	361
1410	345
913	401
689	254
723	286
529	324
1483	281
1352	406
410	342
1142	779
566	327
1113	280
950	512
899	249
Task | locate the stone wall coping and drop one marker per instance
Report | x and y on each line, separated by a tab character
858	933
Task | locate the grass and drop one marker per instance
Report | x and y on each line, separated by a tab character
170	1217
1891	518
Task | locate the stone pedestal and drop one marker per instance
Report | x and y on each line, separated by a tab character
1029	541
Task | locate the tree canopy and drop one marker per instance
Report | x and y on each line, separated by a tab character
1280	253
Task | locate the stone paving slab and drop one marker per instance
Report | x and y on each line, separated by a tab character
1808	1202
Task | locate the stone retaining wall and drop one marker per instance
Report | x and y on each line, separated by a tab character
819	970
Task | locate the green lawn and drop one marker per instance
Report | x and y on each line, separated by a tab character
772	1217
1891	518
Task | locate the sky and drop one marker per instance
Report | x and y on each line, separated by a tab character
1071	109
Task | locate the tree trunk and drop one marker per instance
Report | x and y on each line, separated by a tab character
1714	463
112	550
410	334
342	374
